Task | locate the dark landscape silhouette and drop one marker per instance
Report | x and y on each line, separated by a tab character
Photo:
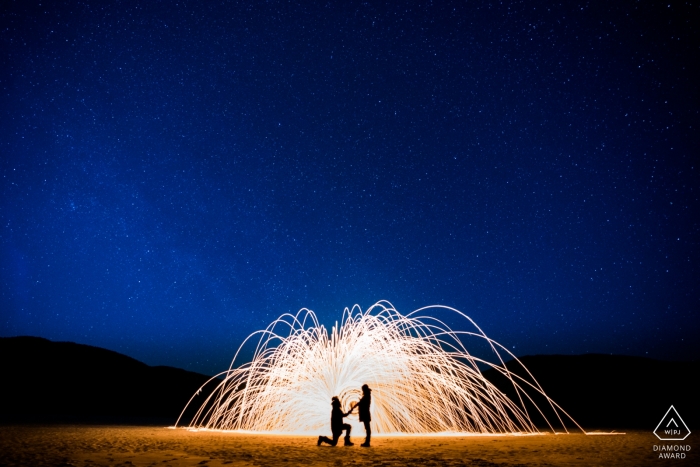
45	381
611	392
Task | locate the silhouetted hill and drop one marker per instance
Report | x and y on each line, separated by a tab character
613	392
63	381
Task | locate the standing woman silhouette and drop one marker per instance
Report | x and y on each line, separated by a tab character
364	413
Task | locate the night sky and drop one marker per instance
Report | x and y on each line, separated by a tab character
176	175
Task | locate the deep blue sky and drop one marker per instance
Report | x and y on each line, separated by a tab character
174	176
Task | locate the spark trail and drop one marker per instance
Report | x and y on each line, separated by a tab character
423	378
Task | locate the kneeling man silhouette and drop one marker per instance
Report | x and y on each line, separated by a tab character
337	425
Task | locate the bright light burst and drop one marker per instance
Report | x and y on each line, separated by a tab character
423	379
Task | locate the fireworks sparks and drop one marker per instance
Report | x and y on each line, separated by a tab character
423	378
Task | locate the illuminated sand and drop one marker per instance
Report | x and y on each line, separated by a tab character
83	446
423	376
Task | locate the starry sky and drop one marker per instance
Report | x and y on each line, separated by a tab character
177	174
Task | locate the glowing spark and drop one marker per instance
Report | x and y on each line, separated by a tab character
423	378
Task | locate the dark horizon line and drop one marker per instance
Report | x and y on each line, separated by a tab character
528	356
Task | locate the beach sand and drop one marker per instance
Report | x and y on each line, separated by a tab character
78	445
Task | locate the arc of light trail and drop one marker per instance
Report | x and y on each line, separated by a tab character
424	379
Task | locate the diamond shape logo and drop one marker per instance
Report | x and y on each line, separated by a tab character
671	427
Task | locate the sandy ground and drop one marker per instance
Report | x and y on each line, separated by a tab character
151	446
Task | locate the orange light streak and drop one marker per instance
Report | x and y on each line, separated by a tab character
423	379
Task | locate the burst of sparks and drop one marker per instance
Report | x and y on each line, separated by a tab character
423	379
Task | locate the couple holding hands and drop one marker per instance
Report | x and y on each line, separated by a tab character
337	415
